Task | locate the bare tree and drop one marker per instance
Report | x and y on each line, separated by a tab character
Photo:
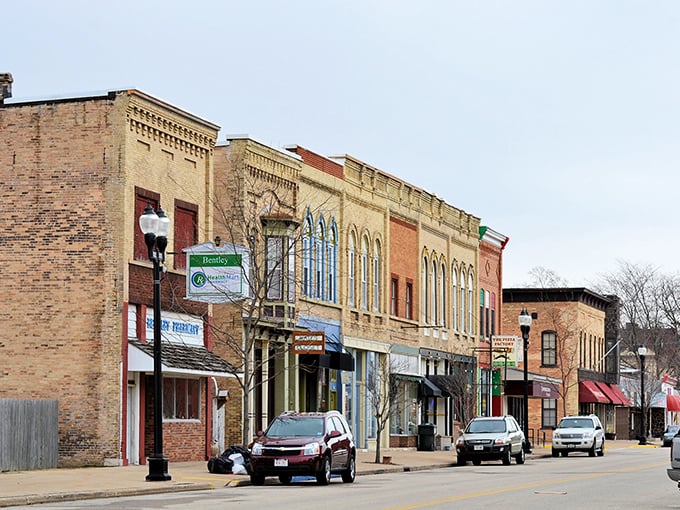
542	277
384	394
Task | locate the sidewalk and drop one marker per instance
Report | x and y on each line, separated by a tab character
51	485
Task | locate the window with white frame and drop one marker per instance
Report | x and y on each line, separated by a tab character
454	299
364	273
274	268
307	257
351	298
442	296
425	293
332	248
463	298
434	280
181	399
376	277
471	303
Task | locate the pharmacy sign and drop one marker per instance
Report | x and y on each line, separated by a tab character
217	274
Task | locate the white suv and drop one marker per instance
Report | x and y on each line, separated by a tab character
578	434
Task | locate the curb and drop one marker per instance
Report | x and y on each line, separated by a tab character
59	497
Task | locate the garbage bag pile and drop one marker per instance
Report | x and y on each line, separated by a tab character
233	460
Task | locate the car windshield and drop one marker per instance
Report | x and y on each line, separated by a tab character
287	427
485	426
672	429
576	423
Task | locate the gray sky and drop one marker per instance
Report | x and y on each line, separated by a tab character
556	122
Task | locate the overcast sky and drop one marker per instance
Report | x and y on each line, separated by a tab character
555	122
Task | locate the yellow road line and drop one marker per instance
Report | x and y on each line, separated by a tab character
500	490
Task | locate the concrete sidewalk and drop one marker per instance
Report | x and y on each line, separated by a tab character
52	485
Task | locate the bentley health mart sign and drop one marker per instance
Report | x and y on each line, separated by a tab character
217	274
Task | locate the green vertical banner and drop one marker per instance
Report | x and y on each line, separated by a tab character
496	383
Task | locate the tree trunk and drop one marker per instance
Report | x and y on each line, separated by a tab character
377	446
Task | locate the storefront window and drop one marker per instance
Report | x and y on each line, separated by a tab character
181	399
404	419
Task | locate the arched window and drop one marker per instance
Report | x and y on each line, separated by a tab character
376	277
320	262
364	273
351	268
463	298
332	249
454	299
434	291
307	256
424	293
471	295
442	296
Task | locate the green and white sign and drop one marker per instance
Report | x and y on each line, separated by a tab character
217	274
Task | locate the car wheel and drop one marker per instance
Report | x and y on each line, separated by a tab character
257	479
591	451
507	458
520	457
600	452
323	477
555	453
349	473
476	462
461	460
564	453
285	479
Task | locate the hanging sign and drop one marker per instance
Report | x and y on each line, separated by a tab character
309	342
217	274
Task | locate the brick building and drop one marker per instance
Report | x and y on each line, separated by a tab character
75	174
573	358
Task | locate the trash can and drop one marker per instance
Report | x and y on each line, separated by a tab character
426	437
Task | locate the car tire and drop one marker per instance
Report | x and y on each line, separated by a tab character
323	477
555	453
600	452
476	462
520	458
461	460
507	457
591	451
285	479
349	474
564	453
257	479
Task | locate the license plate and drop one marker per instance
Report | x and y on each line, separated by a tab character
281	462
479	447
571	446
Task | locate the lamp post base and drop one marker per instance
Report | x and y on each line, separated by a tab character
526	446
643	440
158	469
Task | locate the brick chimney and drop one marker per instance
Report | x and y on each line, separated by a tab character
5	86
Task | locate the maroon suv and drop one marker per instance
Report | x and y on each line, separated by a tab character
303	444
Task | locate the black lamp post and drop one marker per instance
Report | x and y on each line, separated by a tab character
155	228
525	326
642	352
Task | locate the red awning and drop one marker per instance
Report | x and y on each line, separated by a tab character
609	393
672	403
589	392
619	393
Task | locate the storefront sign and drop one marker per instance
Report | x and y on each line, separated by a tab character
217	274
309	342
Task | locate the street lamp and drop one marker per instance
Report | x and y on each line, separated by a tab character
642	352
155	227
525	326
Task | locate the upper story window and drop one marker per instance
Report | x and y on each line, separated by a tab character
409	300
186	230
454	299
307	257
462	302
351	269
434	288
442	296
376	277
394	297
143	198
320	260
425	305
332	249
471	303
364	273
274	268
549	348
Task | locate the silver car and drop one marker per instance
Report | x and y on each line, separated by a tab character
578	434
491	438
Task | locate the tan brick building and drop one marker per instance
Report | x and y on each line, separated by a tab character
75	174
573	357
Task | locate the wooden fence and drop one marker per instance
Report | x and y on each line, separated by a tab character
29	434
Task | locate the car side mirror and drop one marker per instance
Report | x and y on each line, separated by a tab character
334	433
259	433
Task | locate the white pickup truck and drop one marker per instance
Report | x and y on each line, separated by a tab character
674	471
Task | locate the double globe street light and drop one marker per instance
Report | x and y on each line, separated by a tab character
155	226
